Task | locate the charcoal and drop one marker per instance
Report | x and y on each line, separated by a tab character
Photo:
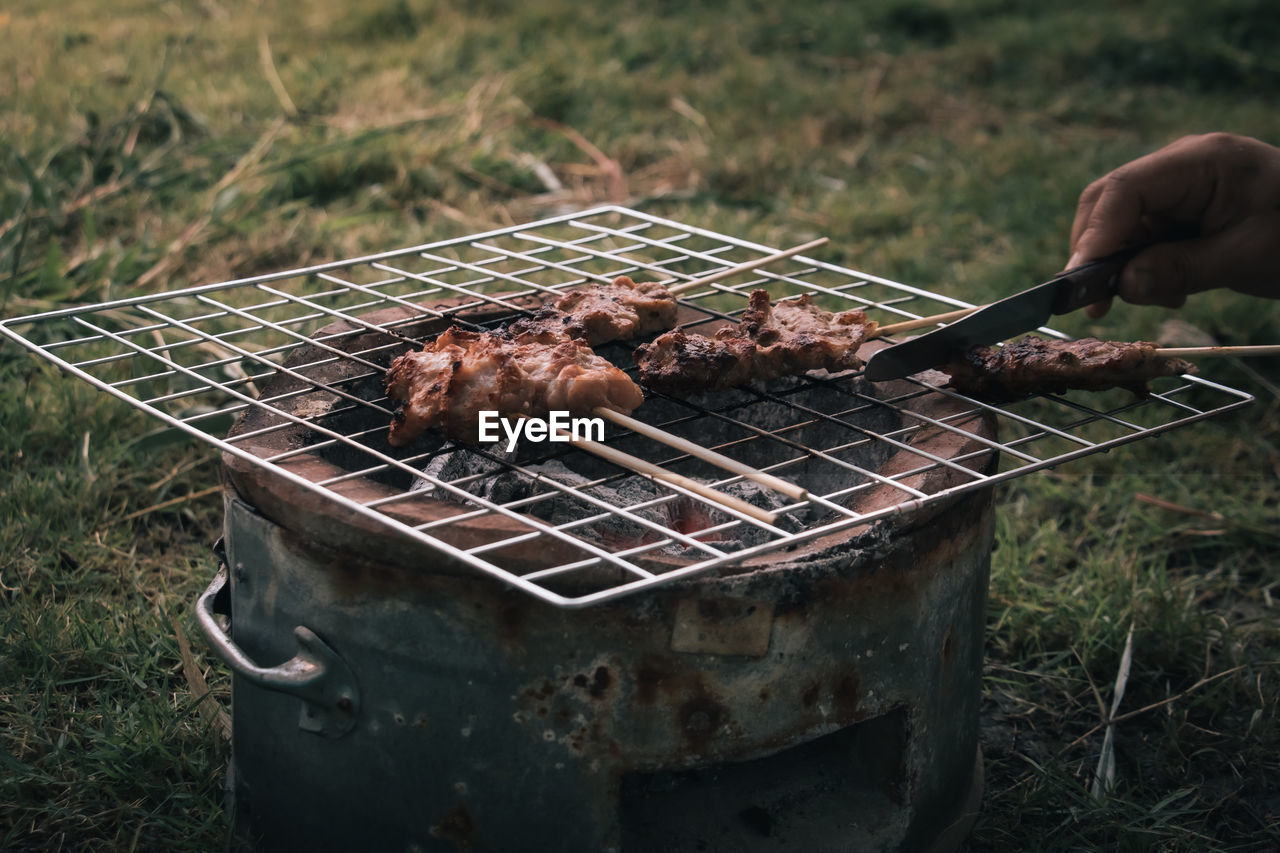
494	480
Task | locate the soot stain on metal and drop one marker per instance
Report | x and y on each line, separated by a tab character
894	574
758	820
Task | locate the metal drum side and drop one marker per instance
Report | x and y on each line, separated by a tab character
827	705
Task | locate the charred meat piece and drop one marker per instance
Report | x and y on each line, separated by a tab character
601	313
453	378
789	338
682	361
1035	365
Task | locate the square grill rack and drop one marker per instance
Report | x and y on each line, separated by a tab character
197	358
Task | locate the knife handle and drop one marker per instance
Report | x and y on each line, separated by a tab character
1093	281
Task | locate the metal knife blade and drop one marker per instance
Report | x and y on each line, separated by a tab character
1022	312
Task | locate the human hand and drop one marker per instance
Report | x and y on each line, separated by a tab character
1211	203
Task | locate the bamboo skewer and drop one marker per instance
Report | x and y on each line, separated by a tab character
648	469
1206	352
777	484
922	322
747	267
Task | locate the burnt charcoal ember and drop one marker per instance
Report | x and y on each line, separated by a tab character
493	479
458	464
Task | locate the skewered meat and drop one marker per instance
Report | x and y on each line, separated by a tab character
789	338
1035	365
601	313
453	378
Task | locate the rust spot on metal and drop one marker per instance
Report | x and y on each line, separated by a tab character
600	682
848	696
597	684
649	678
592	740
455	826
700	718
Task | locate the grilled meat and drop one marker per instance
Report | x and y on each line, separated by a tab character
789	338
601	313
453	378
1034	365
682	361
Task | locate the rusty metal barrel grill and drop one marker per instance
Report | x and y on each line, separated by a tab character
822	699
829	705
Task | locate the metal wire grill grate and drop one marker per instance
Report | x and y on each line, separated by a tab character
301	354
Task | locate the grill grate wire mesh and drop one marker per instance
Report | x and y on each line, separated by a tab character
199	357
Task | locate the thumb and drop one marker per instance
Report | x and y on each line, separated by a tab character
1245	257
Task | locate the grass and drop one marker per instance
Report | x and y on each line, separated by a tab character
937	143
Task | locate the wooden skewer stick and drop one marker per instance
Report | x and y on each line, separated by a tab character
648	469
769	481
748	266
922	322
1203	352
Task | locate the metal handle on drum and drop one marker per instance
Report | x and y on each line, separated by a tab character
316	675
